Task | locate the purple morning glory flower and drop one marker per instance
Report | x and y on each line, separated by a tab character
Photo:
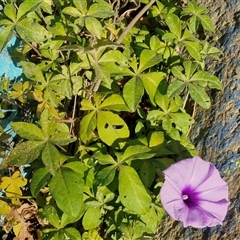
194	193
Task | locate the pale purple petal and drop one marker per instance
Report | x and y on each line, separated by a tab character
194	193
170	197
218	209
191	171
213	188
197	218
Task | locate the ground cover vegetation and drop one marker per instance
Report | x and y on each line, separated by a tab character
107	100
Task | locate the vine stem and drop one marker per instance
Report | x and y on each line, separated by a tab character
185	100
10	102
133	22
97	82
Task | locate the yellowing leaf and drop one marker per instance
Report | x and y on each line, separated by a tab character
4	208
12	184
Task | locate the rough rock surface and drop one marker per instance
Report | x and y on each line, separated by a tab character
217	131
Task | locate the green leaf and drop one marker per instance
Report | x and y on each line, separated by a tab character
28	130
105	176
148	58
193	49
162	101
70	233
33	72
132	93
113	56
194	23
25	152
151	82
39	180
67	190
147	173
29	30
206	22
78	167
47	122
87	105
5	36
100	9
50	158
87	126
72	11
177	72
174	24
203	76
181	119
10	11
155	43
199	95
111	127
67	233
92	218
93	26
115	103
151	219
104	159
175	88
167	124
81	6
136	152
62	139
132	192
50	213
27	7
190	67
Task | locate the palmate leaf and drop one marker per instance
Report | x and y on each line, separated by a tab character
199	95
10	11
105	176
4	208
51	215
39	180
13	184
81	6
66	188
148	58
111	127
206	22
87	126
151	219
93	26
5	36
132	93
175	88
132	192
62	138
193	49
147	173
174	24
72	11
211	80
29	30
136	152
27	7
100	9
92	218
25	152
115	103
50	158
66	233
151	82
28	130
